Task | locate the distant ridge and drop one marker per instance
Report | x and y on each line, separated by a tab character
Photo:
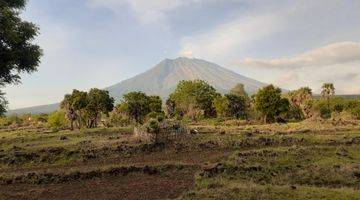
35	109
162	80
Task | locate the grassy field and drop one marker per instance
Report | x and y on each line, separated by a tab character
222	160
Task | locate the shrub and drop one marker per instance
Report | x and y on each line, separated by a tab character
153	127
325	112
119	119
159	116
57	121
338	107
4	121
355	112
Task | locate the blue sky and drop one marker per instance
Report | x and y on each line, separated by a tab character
96	43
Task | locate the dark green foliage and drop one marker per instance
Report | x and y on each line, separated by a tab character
98	101
238	90
237	105
17	52
339	107
75	105
118	116
3	104
153	126
160	116
195	95
86	108
325	112
14	4
355	112
221	105
269	103
138	105
155	104
294	113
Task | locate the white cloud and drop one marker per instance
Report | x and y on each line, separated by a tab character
188	54
226	38
336	53
147	11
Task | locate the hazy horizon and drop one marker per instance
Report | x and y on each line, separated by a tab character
97	43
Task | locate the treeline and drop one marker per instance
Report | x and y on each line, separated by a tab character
197	100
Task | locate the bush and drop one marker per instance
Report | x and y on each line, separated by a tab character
338	107
355	112
4	121
325	112
153	126
159	116
294	113
119	119
15	120
57	121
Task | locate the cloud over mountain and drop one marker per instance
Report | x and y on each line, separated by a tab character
336	53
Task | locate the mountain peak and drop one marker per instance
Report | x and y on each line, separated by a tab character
179	59
163	78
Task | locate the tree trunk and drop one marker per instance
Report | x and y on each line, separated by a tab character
72	125
265	119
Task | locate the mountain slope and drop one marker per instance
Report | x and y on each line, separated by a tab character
162	80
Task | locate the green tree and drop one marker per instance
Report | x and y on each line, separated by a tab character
98	102
237	105
195	94
86	107
17	52
75	105
238	90
3	104
155	104
269	103
118	116
138	105
221	105
57	121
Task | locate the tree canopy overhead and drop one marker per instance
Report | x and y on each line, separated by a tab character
18	53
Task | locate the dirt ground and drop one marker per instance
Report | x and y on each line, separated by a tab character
134	186
110	164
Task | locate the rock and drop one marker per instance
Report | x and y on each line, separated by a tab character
63	138
149	170
248	134
342	152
